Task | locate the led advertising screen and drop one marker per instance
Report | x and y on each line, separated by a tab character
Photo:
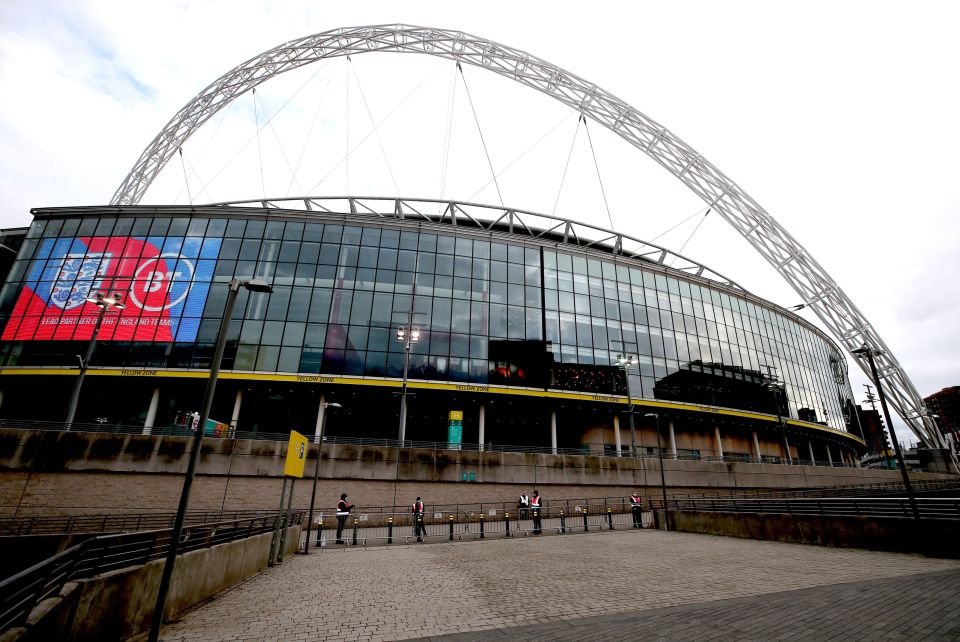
161	282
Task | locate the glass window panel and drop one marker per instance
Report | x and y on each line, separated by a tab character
246	358
407	260
254	229
293	231
464	248
515	253
235	229
444	265
441	314
289	250
158	227
515	273
293	334
428	243
313	232
498	272
498	320
274	230
498	252
390	238
272	333
445	244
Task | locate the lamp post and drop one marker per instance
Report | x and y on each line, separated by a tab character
625	361
104	302
406	335
316	471
869	352
663	479
254	285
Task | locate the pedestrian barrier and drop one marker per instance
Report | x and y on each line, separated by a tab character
398	528
927	507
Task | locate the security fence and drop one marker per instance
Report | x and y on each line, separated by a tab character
928	508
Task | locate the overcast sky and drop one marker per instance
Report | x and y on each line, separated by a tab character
839	118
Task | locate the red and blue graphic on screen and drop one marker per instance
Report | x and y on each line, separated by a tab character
162	283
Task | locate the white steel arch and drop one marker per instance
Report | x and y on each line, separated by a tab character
818	290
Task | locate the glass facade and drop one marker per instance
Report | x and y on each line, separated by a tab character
493	308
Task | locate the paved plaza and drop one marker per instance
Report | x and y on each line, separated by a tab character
612	586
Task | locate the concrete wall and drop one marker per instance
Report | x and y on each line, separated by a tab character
50	473
901	534
119	604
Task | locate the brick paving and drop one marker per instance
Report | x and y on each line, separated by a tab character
612	585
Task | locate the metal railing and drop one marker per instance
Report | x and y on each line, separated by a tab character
929	508
20	593
854	490
398	527
590	449
116	522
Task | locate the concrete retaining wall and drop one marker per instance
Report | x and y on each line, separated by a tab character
51	473
118	605
938	538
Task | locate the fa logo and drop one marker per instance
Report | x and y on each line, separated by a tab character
300	450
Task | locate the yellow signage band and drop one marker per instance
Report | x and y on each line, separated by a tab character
430	385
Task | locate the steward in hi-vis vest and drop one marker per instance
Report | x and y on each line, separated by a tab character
535	506
636	507
418	528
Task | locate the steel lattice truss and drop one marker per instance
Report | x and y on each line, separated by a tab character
804	274
493	218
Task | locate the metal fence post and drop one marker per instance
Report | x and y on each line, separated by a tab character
356	523
506	521
586	526
481	526
563	523
610	518
451	528
390	530
320	532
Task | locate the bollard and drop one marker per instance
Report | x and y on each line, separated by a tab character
355	524
390	530
563	523
320	533
481	525
506	521
610	518
586	527
451	528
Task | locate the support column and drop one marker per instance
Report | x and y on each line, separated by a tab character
787	457
673	441
152	412
235	417
480	424
716	434
829	456
321	411
813	460
553	431
616	433
756	448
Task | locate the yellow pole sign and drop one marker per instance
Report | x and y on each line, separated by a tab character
296	455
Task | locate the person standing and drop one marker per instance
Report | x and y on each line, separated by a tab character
535	505
418	528
524	505
343	509
636	507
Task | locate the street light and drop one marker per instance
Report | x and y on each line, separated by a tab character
406	335
254	285
316	470
663	480
104	302
625	361
893	434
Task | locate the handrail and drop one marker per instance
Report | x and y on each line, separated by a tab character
20	593
116	522
929	508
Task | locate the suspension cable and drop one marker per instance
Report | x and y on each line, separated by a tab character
524	153
480	131
256	121
667	231
451	102
366	106
276	136
680	251
313	123
597	166
186	182
563	177
382	121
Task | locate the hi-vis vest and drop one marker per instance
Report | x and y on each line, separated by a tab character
524	501
635	501
536	501
418	507
342	509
